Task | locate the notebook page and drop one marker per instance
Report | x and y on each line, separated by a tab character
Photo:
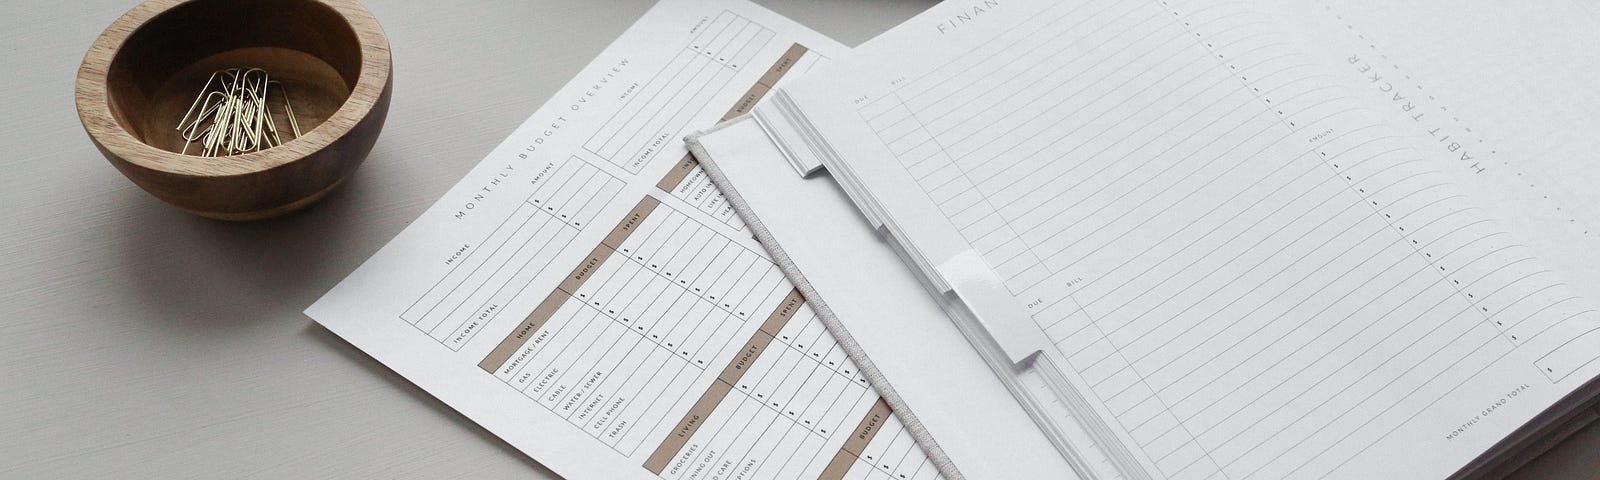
1524	103
1519	106
1238	256
1515	108
586	296
837	260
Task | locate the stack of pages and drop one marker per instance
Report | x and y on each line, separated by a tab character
1025	239
1196	239
586	293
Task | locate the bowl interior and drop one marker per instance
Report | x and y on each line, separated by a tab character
156	75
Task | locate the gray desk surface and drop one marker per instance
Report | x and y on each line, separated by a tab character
137	341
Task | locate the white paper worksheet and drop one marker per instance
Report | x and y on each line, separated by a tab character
587	295
1240	239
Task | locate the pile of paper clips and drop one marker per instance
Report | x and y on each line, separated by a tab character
232	114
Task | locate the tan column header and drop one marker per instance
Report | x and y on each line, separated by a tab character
859	438
747	102
585	269
869	426
630	222
782	66
678	173
785	311
520	335
838	467
691	423
747	356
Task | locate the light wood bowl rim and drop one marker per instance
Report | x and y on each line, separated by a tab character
95	112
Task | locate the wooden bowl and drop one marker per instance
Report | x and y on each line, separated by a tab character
146	69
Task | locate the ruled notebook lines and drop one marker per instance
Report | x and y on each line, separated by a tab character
1262	273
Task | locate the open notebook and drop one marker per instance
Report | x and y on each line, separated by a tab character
1204	239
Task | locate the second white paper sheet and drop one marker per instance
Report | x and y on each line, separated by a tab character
588	296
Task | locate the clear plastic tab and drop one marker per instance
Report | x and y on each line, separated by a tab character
1006	321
